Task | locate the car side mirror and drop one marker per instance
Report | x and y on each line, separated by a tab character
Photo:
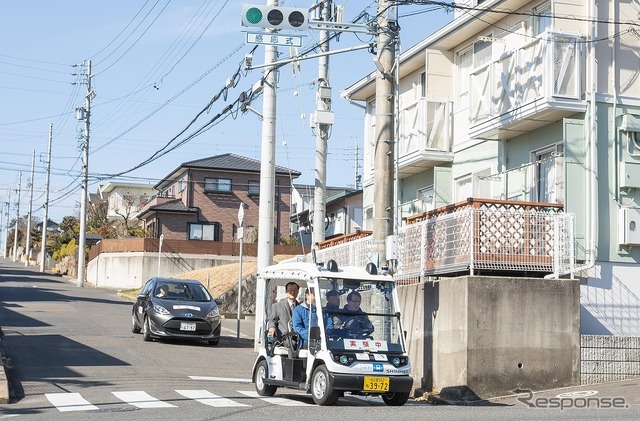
218	301
141	296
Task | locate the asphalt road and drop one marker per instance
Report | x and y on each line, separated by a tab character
71	355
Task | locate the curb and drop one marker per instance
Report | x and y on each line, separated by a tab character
4	382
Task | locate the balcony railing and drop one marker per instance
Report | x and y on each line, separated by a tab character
425	133
548	68
475	235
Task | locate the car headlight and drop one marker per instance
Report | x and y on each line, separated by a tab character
215	312
399	361
160	310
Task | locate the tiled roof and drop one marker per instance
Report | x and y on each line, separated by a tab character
233	162
173	206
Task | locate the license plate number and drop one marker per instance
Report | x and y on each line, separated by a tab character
188	326
376	384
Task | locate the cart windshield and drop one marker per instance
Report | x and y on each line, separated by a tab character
360	315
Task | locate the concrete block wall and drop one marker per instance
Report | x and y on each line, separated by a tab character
609	358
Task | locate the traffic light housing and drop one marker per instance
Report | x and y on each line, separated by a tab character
275	17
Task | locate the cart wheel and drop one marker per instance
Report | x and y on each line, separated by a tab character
321	389
262	372
396	399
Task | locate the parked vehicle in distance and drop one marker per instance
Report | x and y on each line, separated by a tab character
176	308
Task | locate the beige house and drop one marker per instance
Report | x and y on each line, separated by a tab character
530	101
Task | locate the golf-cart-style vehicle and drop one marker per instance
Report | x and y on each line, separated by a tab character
360	352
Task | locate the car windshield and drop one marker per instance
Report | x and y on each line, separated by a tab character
360	315
183	291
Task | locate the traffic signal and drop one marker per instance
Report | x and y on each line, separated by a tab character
275	17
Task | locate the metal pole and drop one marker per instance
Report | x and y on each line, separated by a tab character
160	252
43	264
85	170
27	245
267	175
6	227
322	134
239	289
384	151
16	225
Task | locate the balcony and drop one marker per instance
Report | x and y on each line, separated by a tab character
425	136
473	236
154	201
527	88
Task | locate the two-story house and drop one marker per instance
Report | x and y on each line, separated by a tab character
200	200
123	198
534	101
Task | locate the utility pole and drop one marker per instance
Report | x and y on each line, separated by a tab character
27	245
15	237
322	116
43	258
267	154
383	208
6	227
86	114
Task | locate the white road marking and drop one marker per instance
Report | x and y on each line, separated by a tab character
66	402
235	332
141	399
275	401
208	398
220	379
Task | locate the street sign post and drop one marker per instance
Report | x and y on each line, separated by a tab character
264	38
240	235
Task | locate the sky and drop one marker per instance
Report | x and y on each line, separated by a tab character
156	64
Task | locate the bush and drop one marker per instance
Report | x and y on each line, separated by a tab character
65	250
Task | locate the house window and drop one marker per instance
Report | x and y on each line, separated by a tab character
425	198
548	168
203	231
482	52
423	84
217	185
464	60
254	188
541	18
181	184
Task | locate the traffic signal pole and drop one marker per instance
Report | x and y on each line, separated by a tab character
267	174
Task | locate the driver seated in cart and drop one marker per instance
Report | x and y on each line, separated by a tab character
353	317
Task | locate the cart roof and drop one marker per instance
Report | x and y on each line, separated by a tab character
308	271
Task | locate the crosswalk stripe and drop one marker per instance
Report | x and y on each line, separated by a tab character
272	400
142	399
208	398
66	402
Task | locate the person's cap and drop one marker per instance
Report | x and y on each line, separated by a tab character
332	293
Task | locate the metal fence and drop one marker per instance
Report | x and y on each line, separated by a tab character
472	239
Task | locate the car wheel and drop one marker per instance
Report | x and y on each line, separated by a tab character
262	372
396	399
214	342
321	389
134	325
146	332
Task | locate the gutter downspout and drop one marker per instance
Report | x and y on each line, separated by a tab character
593	143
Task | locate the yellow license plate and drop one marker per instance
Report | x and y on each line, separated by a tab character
376	384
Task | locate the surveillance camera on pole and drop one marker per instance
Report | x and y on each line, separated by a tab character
275	17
